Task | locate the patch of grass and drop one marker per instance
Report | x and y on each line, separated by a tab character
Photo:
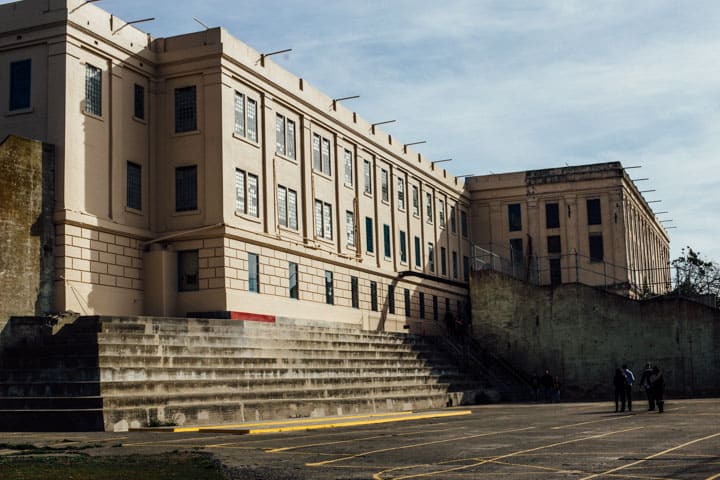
170	466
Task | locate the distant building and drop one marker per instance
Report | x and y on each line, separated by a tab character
586	224
195	175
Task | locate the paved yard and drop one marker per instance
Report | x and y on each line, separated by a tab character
557	441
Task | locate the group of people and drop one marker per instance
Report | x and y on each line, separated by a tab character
651	381
550	387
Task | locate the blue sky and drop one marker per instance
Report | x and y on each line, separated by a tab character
510	85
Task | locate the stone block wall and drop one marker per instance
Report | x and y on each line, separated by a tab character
582	334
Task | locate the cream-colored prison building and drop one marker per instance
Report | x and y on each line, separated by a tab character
195	176
587	224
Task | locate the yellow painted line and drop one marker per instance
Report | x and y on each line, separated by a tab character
353	440
714	477
403	447
378	476
278	422
650	457
358	423
612	419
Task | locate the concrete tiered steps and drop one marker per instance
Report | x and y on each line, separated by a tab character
117	373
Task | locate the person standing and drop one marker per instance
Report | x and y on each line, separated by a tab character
629	380
657	384
556	389
547	383
645	383
619	384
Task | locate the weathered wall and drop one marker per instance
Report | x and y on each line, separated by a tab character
583	334
26	251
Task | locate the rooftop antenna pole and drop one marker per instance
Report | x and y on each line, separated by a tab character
413	143
380	123
263	55
335	100
441	161
83	4
201	23
133	22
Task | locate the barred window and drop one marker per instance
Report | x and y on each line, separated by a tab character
350	228
139	102
401	193
441	213
292	210
253	273
93	90
327	221
429	207
403	247
293	280
367	175
240	191
443	261
326	156
384	188
246	193
240	114
463	223
185	109
323	220
453	220
187	269
287	207
252	194
317	163
416	200
284	136
134	186
514	217
329	293
20	82
431	257
246	117
386	240
354	292
418	253
348	167
282	205
252	120
186	188
369	237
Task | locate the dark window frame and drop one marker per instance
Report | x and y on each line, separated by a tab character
186	188
594	211
20	85
293	281
552	215
329	288
139	102
133	187
253	272
354	292
186	109
514	217
596	245
188	281
373	296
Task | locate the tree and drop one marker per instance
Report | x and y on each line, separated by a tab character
696	276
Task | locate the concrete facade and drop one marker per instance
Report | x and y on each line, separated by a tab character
586	224
26	263
582	334
184	151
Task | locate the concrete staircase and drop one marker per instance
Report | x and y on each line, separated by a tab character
118	373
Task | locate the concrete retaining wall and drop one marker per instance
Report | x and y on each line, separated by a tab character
582	334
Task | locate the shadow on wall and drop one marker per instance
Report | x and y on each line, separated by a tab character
49	375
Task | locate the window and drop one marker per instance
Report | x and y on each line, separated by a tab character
329	298
134	186
463	224
20	83
441	213
514	217
391	299
443	261
369	235
552	215
350	228
418	253
187	267
429	207
593	211
555	271
466	268
403	247
139	102
284	136
422	304
348	167
596	248
186	188
323	220
93	90
447	306
416	200
436	314
253	273
386	243
553	244
516	250
354	292
455	264
384	188
373	296
368	177
401	193
246	193
321	154
287	207
293	281
185	109
406	294
453	220
246	117
431	257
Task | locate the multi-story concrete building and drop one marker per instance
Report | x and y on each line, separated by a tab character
586	224
195	175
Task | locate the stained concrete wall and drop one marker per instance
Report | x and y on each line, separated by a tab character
26	236
582	334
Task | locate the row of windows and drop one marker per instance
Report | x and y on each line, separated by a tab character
188	280
552	215
554	247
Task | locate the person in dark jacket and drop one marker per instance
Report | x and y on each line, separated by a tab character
619	384
645	383
547	383
657	384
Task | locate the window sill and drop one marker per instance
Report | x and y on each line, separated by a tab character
248	217
416	215
252	143
92	115
349	186
20	111
324	241
293	231
286	158
185	134
134	211
322	175
368	194
139	120
385	202
186	213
